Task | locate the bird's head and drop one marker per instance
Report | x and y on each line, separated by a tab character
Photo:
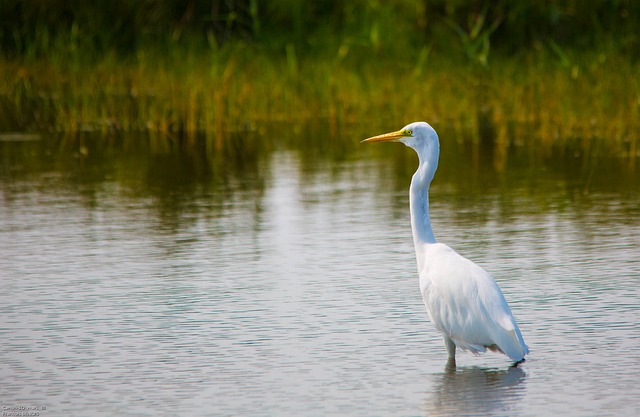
417	135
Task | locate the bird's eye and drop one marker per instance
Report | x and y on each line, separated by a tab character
409	132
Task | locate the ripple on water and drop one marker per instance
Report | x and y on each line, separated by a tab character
301	298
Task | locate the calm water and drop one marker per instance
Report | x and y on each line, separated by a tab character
140	277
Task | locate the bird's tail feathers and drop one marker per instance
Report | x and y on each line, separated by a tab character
511	344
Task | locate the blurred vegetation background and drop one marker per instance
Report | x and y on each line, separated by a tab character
393	29
553	68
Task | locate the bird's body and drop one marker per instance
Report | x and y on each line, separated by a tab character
467	306
463	300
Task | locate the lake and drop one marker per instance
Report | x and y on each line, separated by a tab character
274	275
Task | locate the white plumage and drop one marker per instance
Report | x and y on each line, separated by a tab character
463	300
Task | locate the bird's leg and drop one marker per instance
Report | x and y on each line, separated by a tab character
451	347
450	367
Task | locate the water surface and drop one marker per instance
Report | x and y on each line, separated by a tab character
276	277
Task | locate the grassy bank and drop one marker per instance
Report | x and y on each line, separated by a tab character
497	71
183	92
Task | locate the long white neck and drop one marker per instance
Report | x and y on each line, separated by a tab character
419	202
423	139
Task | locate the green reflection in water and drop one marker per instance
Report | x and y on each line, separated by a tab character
178	176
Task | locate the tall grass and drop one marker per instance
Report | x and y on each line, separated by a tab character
552	95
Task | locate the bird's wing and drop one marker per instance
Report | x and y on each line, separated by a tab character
500	323
466	304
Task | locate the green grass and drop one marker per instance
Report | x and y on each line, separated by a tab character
548	94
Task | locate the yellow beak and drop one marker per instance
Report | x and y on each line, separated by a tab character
389	137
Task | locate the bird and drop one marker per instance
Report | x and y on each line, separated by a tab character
463	301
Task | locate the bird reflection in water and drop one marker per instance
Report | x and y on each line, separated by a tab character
472	390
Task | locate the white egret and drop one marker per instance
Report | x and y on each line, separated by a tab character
463	300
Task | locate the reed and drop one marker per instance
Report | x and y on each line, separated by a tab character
187	93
